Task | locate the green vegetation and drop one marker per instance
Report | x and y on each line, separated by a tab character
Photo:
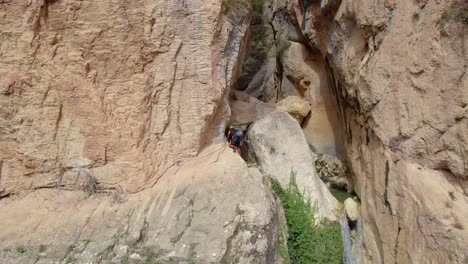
149	256
456	12
41	248
252	163
257	6
260	35
20	249
307	243
71	248
340	195
187	225
70	260
6	250
282	250
232	5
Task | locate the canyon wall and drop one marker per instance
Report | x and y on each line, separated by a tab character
118	90
108	114
107	97
400	83
386	81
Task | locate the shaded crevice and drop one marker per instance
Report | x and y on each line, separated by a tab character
43	16
387	172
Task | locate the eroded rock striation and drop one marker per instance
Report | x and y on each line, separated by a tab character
122	90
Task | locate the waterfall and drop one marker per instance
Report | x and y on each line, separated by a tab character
351	247
357	245
346	237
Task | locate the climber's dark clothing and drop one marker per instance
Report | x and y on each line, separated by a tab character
234	138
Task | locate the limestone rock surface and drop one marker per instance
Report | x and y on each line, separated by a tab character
244	112
213	209
122	89
295	106
282	150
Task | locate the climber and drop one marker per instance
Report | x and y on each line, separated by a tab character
234	137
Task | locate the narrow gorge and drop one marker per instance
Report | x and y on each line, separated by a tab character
113	116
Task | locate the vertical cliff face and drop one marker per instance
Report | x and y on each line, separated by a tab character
118	90
387	84
400	82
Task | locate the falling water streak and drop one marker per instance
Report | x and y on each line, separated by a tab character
357	246
346	237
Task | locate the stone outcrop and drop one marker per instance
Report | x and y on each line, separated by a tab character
282	151
123	91
213	209
295	106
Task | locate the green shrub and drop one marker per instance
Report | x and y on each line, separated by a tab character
259	36
457	12
71	248
41	248
257	7
307	243
21	249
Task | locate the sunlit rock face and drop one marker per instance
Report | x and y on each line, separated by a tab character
120	90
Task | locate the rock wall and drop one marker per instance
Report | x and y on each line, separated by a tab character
118	90
400	84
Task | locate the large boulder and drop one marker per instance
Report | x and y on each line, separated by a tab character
281	149
352	209
214	209
295	106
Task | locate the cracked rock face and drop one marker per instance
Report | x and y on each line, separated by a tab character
122	90
213	209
